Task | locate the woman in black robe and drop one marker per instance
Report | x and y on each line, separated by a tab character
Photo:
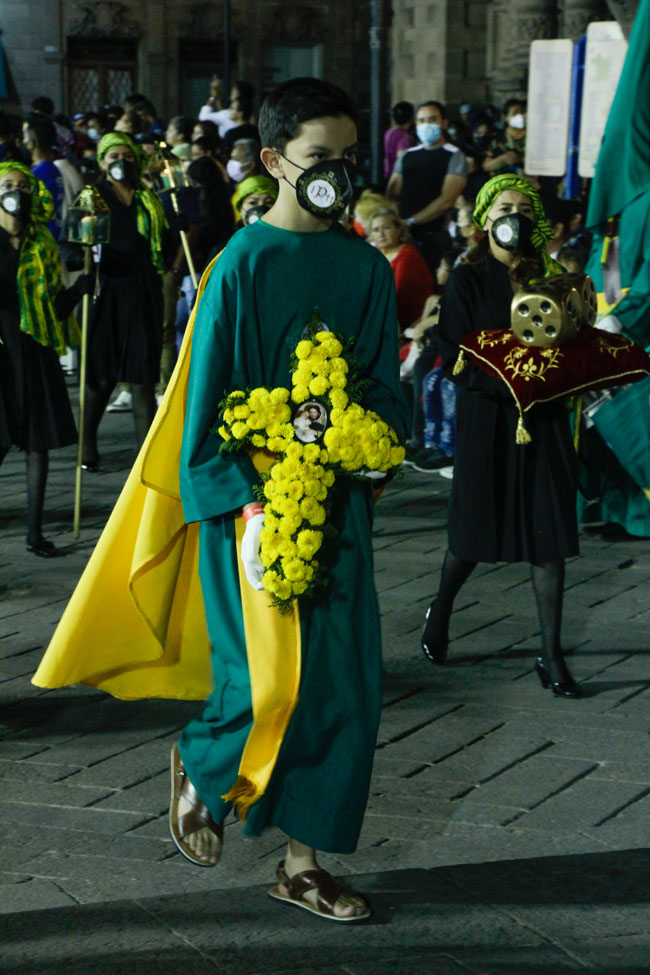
126	330
509	503
35	412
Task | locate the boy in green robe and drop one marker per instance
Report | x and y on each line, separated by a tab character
272	279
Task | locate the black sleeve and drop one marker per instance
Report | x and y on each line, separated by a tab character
458	318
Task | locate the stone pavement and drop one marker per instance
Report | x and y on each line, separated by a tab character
506	833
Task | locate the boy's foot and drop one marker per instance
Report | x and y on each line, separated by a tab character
193	830
318	892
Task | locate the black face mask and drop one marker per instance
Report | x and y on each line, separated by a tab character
123	171
254	214
512	232
17	204
324	188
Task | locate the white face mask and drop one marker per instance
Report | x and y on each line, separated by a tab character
235	170
517	121
93	134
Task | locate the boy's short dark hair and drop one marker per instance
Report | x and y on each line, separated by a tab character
441	108
295	102
402	112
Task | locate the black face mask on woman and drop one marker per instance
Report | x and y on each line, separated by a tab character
324	188
513	231
123	171
16	203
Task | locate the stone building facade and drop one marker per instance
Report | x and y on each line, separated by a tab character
85	53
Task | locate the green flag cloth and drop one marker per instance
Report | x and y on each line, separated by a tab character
623	167
4	92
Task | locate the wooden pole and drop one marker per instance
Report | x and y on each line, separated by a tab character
186	248
85	308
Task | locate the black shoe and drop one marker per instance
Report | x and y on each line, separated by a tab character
561	688
410	455
41	546
91	464
433	648
431	459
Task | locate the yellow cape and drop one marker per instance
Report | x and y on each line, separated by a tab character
141	585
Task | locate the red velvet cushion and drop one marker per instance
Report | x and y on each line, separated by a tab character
594	360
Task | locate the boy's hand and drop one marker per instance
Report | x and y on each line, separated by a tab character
250	545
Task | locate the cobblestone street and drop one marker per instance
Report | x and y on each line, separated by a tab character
507	830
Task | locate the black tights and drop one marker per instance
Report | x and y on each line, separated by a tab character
548	585
36	467
97	397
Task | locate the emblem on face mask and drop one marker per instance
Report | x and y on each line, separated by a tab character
324	188
512	231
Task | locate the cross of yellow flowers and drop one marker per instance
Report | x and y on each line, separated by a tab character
295	490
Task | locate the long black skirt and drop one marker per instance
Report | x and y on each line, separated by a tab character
125	339
509	502
37	413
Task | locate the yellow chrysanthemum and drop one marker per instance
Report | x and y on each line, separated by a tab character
339	398
303	349
295	450
311	452
332	438
239	430
279	395
258	441
312	511
299	394
318	386
338	380
308	542
242	411
223	433
294	569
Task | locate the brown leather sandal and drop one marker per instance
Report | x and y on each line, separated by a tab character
197	818
327	888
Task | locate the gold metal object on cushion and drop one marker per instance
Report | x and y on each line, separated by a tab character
551	312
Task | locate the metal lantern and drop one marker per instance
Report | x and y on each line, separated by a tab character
89	218
169	173
552	311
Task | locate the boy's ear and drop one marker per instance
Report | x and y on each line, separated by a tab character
273	161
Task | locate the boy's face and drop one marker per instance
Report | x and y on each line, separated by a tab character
318	140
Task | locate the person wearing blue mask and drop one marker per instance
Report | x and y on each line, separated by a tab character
427	180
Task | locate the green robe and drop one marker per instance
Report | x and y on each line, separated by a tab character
261	293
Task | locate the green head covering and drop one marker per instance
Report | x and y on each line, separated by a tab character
150	214
250	185
542	230
112	139
39	272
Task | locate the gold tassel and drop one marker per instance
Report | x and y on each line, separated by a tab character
460	363
243	795
523	436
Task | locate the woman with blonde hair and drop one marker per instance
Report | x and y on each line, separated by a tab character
413	279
